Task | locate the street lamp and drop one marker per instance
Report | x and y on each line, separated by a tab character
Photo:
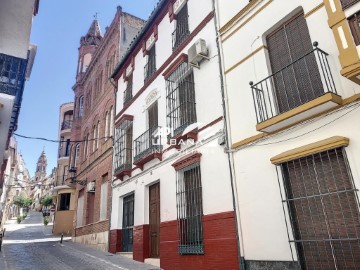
73	179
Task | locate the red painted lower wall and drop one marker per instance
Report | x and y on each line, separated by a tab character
220	245
115	241
141	245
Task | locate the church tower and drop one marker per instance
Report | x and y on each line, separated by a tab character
41	167
88	45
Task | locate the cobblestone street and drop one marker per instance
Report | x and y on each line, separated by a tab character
31	246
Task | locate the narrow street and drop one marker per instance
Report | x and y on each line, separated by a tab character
31	246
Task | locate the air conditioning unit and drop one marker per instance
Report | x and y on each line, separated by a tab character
197	52
90	187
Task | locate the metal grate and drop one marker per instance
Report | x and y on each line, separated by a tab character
123	146
180	96
348	3
182	27
66	124
128	223
323	207
12	74
148	143
189	210
150	67
354	23
128	90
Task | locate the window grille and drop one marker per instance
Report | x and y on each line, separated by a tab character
189	210
12	74
348	3
128	90
128	223
150	67
354	23
321	198
180	96
123	146
182	27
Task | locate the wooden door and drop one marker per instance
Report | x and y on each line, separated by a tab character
297	79
90	208
154	220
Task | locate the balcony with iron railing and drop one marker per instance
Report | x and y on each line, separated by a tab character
300	90
127	94
12	80
149	70
66	124
148	147
123	162
63	152
178	36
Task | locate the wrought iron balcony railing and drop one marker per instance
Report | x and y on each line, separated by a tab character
127	95
178	36
123	160
149	70
12	80
299	82
12	74
148	143
348	3
67	124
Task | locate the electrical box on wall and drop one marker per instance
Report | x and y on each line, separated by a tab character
90	187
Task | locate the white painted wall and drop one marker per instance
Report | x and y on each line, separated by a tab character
263	227
251	36
215	175
15	26
262	218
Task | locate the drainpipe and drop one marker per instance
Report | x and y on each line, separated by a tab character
111	80
227	131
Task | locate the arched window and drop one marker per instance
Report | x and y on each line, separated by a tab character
97	135
111	121
106	134
86	144
76	155
94	138
81	107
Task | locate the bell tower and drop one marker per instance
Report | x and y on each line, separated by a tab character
40	172
88	45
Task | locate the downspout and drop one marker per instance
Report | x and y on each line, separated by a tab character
111	80
227	128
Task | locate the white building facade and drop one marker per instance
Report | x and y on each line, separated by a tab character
16	60
172	200
291	76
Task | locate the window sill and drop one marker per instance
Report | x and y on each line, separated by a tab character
303	112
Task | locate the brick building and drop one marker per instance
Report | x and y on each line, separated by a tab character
91	159
172	199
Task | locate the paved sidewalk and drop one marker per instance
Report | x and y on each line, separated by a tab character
31	246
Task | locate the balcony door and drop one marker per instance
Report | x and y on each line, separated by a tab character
297	79
154	220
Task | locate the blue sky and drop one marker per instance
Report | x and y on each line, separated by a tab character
56	31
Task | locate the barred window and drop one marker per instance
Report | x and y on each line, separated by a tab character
128	90
180	96
150	67
128	223
182	27
323	206
123	146
354	23
190	210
